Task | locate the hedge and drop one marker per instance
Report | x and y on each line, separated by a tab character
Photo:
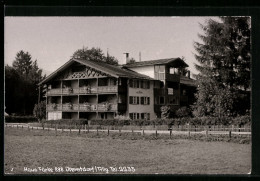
204	121
20	119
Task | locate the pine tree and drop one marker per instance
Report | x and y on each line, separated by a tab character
224	65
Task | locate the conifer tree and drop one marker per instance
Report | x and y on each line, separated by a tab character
224	66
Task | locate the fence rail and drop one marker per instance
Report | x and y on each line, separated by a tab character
86	128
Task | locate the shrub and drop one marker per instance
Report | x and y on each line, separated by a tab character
183	112
20	119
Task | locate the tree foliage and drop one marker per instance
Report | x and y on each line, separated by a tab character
21	89
39	110
95	54
224	66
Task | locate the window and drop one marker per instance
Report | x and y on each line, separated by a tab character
148	116
142	100
145	100
137	83
161	100
145	116
137	115
134	116
142	84
159	72
130	83
103	116
142	115
133	100
148	84
131	116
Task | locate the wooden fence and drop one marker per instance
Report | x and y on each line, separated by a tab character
86	129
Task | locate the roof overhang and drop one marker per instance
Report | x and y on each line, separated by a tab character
69	63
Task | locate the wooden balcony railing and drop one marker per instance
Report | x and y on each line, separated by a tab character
82	107
83	90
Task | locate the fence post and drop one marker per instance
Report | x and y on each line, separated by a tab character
171	133
119	131
108	131
85	128
79	129
143	131
88	128
56	129
97	130
206	133
22	126
189	134
32	127
28	128
229	133
156	132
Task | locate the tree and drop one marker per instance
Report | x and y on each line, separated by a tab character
224	65
131	60
23	63
95	54
21	90
39	110
165	112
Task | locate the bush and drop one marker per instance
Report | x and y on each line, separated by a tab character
20	119
68	121
183	112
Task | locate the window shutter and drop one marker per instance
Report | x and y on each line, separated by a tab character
148	100
137	100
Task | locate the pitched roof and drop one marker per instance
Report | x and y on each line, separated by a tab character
174	61
112	70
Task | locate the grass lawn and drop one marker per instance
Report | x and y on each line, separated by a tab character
37	148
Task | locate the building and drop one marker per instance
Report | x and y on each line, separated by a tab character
86	89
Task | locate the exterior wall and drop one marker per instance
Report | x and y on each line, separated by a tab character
147	70
55	115
139	108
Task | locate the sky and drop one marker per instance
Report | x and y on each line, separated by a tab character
53	40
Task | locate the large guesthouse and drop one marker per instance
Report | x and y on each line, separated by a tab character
87	89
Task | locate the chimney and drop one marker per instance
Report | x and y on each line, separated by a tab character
188	74
127	57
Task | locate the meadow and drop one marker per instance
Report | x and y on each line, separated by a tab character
44	152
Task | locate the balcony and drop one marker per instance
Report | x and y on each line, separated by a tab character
83	90
108	107
173	77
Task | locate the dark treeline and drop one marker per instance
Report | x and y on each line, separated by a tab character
21	89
